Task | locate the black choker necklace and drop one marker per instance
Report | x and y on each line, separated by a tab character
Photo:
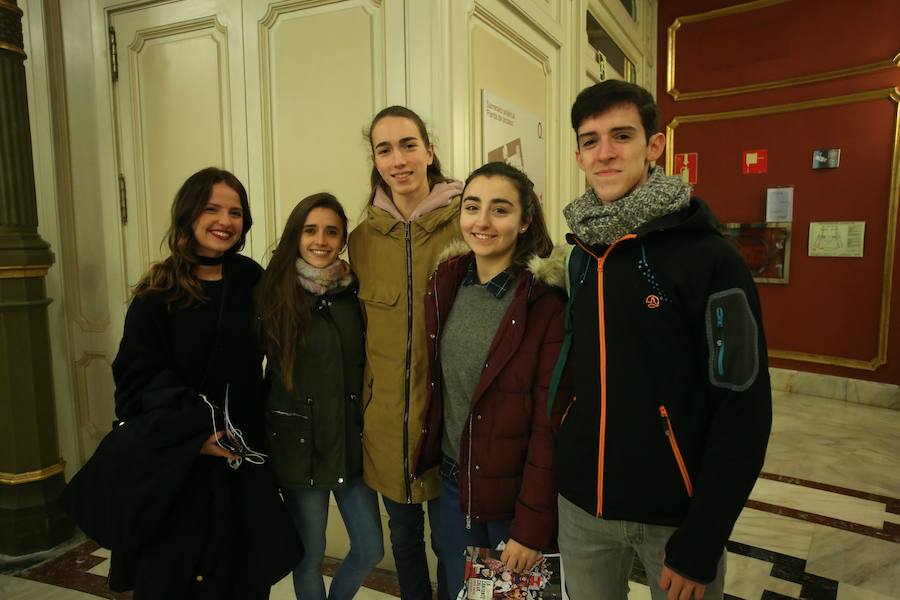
209	261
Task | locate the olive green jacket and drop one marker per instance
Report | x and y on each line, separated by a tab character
393	260
314	430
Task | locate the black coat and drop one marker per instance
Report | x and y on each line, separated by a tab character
179	524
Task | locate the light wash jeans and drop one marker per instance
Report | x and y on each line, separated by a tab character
359	508
597	555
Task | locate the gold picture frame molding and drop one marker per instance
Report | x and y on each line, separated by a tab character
892	94
752	87
32	476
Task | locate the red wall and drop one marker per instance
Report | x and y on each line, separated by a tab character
831	306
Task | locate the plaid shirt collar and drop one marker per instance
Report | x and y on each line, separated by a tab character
498	286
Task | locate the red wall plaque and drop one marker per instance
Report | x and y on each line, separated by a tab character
755	162
687	162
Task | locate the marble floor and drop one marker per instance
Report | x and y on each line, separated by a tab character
822	523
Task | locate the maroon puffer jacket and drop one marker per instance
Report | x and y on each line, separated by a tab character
510	472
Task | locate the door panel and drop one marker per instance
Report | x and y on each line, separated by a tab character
311	112
180	108
167	114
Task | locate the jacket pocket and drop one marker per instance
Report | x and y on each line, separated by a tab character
290	437
374	295
673	442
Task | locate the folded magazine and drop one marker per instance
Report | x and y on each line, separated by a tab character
487	578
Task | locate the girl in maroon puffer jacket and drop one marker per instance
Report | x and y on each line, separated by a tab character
494	318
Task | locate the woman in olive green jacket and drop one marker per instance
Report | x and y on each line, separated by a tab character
411	217
312	329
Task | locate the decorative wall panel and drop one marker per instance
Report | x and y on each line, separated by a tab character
314	111
770	44
851	297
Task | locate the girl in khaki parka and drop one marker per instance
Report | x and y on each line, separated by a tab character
411	217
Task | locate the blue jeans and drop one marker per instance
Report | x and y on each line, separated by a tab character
454	535
407	525
359	508
597	555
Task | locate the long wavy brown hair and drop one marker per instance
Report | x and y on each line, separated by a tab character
175	275
282	307
434	172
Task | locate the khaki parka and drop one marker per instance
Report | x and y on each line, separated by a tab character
393	260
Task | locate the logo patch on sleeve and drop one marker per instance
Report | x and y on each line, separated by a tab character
732	336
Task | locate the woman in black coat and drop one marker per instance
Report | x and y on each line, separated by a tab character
177	491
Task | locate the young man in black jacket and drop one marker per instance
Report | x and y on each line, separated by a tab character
659	450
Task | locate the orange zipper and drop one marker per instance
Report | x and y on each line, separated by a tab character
602	337
670	433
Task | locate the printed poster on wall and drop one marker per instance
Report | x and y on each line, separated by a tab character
837	238
513	135
780	203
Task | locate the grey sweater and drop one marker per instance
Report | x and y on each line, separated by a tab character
468	333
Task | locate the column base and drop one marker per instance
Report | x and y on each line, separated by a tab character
31	519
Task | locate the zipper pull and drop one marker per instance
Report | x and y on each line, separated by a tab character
468	522
664	416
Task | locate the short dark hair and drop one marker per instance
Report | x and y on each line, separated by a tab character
602	96
536	239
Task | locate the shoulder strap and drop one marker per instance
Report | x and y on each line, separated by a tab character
576	268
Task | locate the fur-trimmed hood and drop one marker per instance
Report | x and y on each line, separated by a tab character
549	271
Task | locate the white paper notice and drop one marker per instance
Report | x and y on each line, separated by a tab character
779	204
837	238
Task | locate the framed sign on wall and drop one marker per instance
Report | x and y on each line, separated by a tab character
765	246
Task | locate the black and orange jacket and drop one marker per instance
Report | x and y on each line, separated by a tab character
672	407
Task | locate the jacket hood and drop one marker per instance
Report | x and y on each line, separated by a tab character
695	217
440	195
550	271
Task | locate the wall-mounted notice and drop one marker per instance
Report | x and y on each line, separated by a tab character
765	246
755	162
780	203
837	238
686	166
513	135
826	158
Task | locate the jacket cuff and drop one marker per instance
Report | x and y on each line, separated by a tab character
531	528
521	543
692	559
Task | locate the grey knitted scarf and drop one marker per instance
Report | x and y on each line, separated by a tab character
597	223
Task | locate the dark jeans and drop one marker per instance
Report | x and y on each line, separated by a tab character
454	536
407	528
